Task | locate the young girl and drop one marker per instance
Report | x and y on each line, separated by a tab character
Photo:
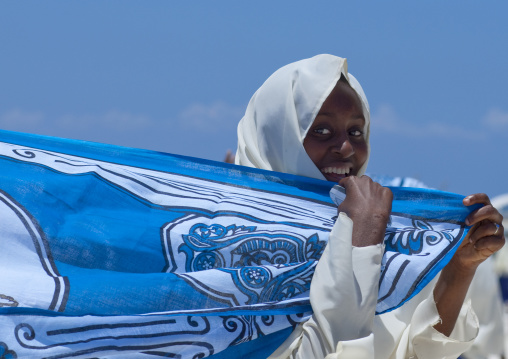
311	118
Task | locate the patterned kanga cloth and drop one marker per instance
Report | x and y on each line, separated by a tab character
111	251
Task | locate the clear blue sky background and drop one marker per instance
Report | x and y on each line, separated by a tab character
176	76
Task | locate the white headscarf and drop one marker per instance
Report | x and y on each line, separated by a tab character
271	134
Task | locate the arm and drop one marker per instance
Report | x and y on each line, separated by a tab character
483	240
410	331
344	288
343	298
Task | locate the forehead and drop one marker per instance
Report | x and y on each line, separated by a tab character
343	98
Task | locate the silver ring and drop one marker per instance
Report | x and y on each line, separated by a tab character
497	229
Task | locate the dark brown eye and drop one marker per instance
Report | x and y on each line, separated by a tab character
356	133
322	131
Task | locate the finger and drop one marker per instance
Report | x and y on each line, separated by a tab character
477	198
486	246
350	181
487	212
484	229
346	181
499	230
388	193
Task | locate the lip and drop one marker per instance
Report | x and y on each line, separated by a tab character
333	177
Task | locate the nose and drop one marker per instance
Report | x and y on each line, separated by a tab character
343	147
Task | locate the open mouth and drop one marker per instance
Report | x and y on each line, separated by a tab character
337	171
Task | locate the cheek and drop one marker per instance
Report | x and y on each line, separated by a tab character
361	152
313	150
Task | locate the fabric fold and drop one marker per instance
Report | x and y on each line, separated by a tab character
129	251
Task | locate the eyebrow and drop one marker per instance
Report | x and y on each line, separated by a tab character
331	114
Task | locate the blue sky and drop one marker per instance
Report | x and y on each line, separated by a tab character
176	76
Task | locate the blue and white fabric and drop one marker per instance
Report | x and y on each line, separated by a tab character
110	251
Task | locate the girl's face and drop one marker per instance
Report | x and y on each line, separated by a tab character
335	142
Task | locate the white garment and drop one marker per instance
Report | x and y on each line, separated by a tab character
356	272
485	294
344	287
484	291
343	297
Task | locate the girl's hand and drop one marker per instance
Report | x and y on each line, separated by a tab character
484	238
369	205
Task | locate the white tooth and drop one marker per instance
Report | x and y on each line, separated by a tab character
336	170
